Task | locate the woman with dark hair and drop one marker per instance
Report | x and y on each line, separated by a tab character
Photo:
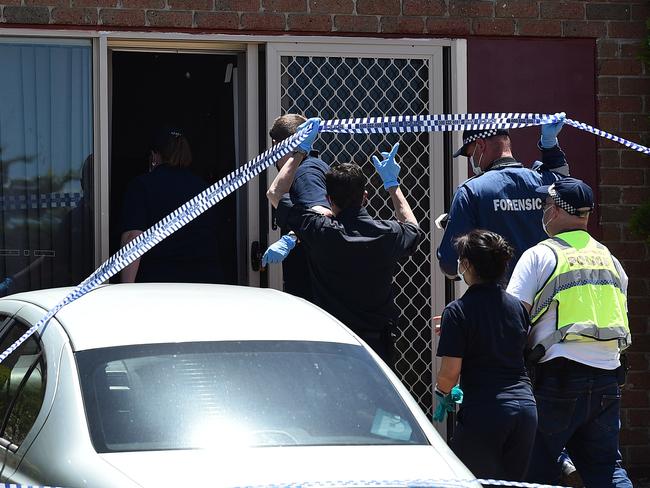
482	340
189	254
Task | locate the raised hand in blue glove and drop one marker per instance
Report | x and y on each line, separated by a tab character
387	168
279	250
550	132
447	403
311	125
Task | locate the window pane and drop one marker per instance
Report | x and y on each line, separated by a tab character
27	406
186	396
46	141
12	371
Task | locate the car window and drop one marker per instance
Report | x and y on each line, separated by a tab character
22	385
5	320
252	393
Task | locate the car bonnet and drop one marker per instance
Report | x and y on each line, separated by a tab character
326	465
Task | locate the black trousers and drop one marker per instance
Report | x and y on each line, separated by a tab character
495	440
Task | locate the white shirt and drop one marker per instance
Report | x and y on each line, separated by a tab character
534	267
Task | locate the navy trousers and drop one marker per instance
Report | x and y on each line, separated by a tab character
578	408
495	440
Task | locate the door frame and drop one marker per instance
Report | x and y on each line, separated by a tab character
246	231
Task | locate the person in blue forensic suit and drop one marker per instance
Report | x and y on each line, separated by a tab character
307	190
501	197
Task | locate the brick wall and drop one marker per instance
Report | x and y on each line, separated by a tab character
623	97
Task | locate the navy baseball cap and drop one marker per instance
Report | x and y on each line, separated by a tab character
162	136
570	194
470	136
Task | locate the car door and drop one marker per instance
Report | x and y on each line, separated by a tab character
28	379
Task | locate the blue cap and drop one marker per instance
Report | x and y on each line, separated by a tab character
570	194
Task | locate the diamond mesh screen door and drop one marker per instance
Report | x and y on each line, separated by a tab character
339	81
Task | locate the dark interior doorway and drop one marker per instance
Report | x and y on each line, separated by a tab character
193	92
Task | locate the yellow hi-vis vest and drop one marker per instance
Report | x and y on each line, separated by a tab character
591	305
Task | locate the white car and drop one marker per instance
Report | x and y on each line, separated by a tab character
178	384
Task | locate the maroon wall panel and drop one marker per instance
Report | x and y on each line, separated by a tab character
539	76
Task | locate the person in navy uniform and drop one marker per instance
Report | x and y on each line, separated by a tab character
483	336
307	190
190	255
501	196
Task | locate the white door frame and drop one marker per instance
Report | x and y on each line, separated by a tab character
107	46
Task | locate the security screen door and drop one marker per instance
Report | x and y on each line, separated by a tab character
343	80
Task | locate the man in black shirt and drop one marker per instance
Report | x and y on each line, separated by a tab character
352	257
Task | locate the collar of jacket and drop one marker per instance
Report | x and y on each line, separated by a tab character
507	162
352	213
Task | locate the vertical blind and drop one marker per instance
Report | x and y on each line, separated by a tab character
46	141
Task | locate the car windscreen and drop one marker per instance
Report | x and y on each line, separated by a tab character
246	394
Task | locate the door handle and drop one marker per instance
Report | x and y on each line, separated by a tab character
256	256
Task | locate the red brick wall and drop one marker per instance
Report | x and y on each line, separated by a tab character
617	26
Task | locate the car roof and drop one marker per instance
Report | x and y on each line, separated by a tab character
149	313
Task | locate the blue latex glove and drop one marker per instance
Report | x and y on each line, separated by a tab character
550	132
312	125
279	250
447	403
387	168
6	286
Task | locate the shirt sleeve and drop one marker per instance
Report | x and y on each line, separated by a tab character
453	335
134	208
308	187
462	219
554	159
304	222
622	274
409	236
534	267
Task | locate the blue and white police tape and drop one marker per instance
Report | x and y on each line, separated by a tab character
436	123
217	192
409	483
447	122
403	483
13	485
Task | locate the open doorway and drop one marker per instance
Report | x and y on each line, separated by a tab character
194	92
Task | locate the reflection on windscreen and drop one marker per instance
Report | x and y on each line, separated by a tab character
252	393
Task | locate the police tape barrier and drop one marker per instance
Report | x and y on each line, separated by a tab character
414	483
242	175
408	483
13	485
